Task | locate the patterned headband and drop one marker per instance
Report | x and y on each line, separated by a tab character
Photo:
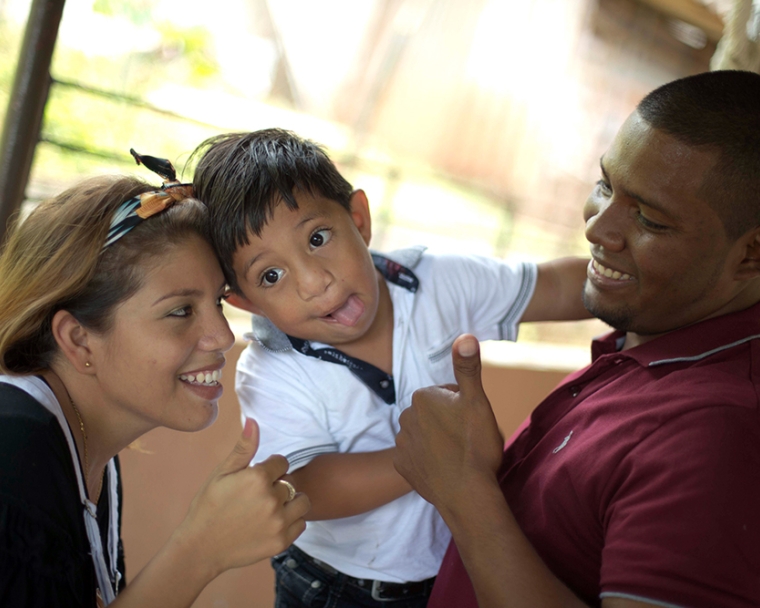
130	213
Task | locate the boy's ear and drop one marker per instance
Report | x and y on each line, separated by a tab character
238	300
73	341
360	214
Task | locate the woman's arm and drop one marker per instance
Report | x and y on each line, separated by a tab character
240	516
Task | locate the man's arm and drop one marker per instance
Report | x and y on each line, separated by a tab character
450	449
342	485
559	291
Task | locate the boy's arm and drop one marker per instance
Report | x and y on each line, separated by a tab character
558	293
294	422
342	485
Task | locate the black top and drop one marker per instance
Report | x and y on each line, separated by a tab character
44	551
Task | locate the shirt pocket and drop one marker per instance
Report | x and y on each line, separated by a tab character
439	359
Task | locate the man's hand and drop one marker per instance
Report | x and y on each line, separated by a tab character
450	449
449	436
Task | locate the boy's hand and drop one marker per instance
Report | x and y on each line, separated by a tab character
449	436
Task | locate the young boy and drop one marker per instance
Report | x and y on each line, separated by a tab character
342	337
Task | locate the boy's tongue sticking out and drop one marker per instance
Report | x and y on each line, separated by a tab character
349	313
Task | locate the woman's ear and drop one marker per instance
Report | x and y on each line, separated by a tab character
73	341
238	300
360	215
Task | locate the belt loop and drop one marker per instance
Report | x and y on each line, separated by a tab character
376	592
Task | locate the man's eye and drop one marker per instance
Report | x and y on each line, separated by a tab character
271	276
650	224
604	187
320	237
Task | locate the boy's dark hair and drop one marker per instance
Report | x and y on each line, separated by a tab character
719	110
242	177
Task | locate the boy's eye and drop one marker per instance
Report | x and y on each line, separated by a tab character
319	238
271	276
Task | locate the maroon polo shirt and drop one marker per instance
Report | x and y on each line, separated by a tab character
639	476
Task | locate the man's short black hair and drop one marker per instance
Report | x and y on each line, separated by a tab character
718	110
242	177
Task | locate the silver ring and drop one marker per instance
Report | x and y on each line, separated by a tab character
291	489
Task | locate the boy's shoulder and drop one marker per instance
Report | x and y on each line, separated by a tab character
408	257
429	266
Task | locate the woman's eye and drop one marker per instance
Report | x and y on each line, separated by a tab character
185	311
320	237
271	276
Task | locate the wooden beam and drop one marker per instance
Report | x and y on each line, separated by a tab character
692	12
26	106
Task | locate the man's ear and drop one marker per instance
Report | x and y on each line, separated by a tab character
360	215
73	341
749	267
238	300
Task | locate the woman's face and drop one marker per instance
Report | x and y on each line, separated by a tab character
160	363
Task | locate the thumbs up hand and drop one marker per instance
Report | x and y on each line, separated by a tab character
449	435
243	513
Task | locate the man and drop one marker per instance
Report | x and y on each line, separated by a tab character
637	481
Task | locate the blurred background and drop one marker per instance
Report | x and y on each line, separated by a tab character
473	125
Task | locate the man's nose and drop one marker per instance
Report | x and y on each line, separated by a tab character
604	223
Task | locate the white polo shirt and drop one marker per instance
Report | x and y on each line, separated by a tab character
306	406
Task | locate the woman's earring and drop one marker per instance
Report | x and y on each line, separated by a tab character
87	364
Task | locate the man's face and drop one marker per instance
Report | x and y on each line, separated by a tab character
310	272
661	258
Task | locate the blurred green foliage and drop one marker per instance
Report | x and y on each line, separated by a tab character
136	11
91	123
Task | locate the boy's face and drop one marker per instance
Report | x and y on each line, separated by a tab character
310	272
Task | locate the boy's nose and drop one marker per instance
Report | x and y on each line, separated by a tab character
313	279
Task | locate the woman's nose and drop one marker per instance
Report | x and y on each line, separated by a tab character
217	335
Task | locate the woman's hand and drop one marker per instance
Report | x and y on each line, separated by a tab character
242	514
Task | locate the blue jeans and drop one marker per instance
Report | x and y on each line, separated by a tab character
302	583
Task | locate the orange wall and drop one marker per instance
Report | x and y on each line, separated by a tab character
159	485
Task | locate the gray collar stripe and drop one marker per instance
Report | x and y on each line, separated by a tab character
704	354
639	598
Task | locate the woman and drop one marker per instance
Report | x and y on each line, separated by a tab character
110	326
